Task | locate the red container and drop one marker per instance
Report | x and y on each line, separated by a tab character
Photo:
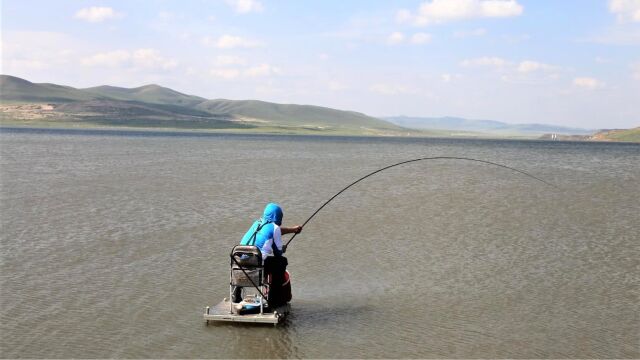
286	287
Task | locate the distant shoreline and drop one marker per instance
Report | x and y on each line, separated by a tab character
145	131
264	130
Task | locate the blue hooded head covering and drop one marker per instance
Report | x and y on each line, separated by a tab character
262	230
272	213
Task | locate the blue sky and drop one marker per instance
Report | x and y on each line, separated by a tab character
565	62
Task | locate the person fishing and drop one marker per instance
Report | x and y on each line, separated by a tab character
266	234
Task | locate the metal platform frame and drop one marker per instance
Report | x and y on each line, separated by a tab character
221	312
252	275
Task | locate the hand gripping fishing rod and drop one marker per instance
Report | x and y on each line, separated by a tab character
410	161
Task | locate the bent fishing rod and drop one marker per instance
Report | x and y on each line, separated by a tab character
410	161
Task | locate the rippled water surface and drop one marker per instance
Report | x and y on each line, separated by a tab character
113	243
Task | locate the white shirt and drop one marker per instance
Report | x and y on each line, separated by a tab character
267	248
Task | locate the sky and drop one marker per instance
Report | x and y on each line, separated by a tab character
565	62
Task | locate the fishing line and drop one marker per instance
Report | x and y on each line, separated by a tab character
414	160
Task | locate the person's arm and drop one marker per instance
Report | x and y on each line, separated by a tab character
281	248
288	230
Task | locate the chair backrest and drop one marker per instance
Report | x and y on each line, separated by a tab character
246	256
250	259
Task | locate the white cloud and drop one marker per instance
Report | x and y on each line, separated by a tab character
225	73
528	72
485	61
151	59
516	39
231	42
447	78
26	64
625	10
97	14
522	67
635	68
245	6
261	70
28	52
335	85
225	60
166	15
114	58
140	58
191	71
440	11
498	8
618	35
471	33
390	89
587	83
420	38
528	66
403	16
270	90
395	38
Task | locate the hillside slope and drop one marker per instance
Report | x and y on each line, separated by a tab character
290	114
153	94
483	126
157	106
630	135
14	89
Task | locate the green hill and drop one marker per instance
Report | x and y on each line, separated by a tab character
154	94
14	89
27	103
483	126
630	135
290	114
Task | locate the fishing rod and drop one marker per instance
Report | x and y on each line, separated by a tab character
410	161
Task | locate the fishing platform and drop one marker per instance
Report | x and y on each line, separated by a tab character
221	312
247	273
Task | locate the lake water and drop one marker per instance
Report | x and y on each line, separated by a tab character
114	242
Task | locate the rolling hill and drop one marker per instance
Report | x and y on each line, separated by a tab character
482	126
152	106
627	135
290	114
24	102
153	94
14	89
